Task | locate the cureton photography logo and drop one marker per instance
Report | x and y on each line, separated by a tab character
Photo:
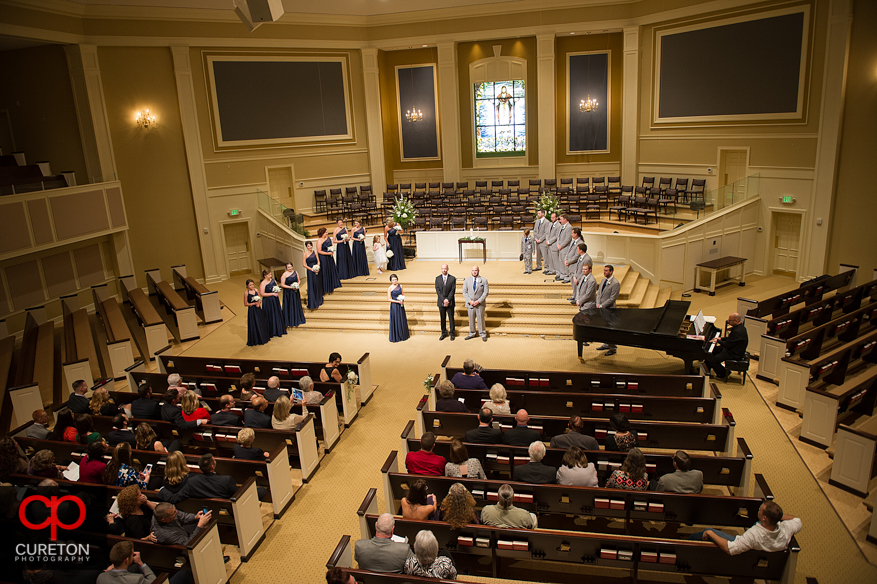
51	552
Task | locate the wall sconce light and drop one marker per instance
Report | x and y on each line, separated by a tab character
145	120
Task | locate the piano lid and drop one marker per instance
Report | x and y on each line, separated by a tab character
664	320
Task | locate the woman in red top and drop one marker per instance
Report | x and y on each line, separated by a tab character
92	465
632	476
191	408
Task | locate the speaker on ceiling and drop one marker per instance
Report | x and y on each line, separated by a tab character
243	11
265	10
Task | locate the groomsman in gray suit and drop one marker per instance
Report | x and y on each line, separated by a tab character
475	294
607	294
581	257
586	291
570	256
540	233
563	240
552	258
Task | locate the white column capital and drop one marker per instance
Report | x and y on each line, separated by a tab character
631	38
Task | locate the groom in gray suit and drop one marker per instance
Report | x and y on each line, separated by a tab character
540	234
607	294
475	293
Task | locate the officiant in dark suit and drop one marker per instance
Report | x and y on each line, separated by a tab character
445	288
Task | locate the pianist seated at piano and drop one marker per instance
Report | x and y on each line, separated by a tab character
729	348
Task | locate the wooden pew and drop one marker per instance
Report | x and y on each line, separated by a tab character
80	355
854	457
153	326
825	406
36	359
473	544
119	345
207	304
499	460
184	315
701	437
231	367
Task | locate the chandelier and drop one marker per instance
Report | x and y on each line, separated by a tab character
414	116
588	105
145	119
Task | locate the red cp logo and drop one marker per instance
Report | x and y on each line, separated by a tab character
52	521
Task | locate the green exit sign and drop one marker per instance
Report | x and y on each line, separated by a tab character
234	212
787	199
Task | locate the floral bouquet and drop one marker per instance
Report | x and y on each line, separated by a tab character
352	377
548	203
316	269
331	249
404	212
257	298
295	285
361	237
390	253
400	298
427	383
345	237
276	289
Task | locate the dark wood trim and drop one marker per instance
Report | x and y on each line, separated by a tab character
369	497
389	462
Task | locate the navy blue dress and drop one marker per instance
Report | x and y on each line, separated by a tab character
345	259
293	315
315	284
398	320
360	259
273	312
257	330
394	242
328	271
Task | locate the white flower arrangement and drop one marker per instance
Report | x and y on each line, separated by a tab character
390	253
404	212
427	383
331	249
257	298
276	289
400	298
316	268
548	203
295	285
361	237
352	377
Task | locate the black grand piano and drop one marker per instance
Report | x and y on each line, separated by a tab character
662	329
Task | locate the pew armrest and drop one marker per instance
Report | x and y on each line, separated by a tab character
368	503
391	464
762	491
342	556
408	428
446	361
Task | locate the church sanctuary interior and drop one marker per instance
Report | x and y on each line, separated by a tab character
290	266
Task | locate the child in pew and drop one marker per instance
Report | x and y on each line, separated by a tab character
244	448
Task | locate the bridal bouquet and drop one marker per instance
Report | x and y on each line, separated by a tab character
400	298
275	289
361	237
331	249
257	298
316	268
390	253
295	285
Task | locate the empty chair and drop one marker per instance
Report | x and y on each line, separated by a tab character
520	214
357	211
575	219
374	214
435	186
335	193
583	189
532	200
405	188
348	199
536	184
458	223
620	206
495	185
447	186
468	193
602	193
592	209
598	181
681	184
461	186
648	181
640	192
350	191
571	201
480	223
513	200
627	190
334	207
503	194
320	201
392	189
667	198
436	224
420	186
550	185
365	189
665	183
420	223
582	182
506	223
614	184
513	184
697	189
480	184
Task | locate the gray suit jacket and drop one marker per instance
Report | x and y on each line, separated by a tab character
145	576
607	296
564	236
553	233
541	229
480	293
37	431
381	555
571	254
586	292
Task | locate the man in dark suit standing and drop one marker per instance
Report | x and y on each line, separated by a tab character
732	347
144	407
225	417
445	288
521	435
207	485
534	471
484	433
78	403
273	392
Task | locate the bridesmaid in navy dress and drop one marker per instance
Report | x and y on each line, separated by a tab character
257	331
311	262
360	259
398	320
394	243
328	271
293	315
271	305
345	259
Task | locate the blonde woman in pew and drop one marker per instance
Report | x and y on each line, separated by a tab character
257	329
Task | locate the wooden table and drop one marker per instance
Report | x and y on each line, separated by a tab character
715	266
271	264
482	242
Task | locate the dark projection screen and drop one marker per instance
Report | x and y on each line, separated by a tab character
745	68
589	75
277	100
417	89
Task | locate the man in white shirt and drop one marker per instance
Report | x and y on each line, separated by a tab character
772	533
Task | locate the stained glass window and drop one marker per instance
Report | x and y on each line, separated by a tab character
500	118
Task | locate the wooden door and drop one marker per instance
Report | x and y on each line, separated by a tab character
237	248
787	240
280	185
732	170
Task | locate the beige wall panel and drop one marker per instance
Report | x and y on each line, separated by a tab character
782	152
151	164
117	208
13	234
25	285
79	214
58	271
252	172
39	221
89	265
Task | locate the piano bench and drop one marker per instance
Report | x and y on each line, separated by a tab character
739	366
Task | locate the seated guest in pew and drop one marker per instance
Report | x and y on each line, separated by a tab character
255	417
330	371
40	427
124	559
424	461
226	417
469	378
458	508
84	430
192	409
63	421
175	381
136	513
574	437
43	465
683	479
498	403
11	460
632	474
534	471
624	438
121	432
120	471
447	402
176	473
461	465
418	504
426	561
273	392
78	403
282	418
207	485
308	395
381	553
484	433
144	407
244	448
576	470
170	411
248	380
172	527
92	465
147	440
505	514
101	404
521	435
339	575
772	533
730	348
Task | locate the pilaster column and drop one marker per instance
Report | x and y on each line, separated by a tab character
547	105
630	107
211	243
449	111
372	84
